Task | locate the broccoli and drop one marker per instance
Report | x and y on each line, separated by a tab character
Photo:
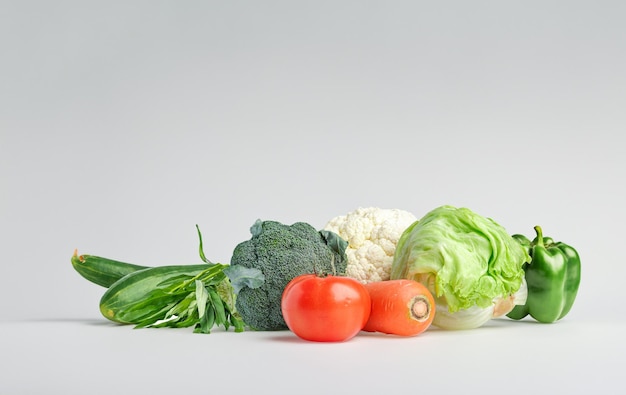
282	252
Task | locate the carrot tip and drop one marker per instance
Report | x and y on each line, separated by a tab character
420	308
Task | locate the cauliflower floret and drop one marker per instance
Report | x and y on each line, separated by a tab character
372	234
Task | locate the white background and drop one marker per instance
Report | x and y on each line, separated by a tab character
125	124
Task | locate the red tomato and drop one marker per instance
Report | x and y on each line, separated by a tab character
325	309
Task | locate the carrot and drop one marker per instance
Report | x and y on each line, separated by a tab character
400	307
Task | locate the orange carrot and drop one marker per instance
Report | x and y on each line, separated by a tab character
400	307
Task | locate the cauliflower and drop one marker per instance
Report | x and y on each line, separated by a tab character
372	234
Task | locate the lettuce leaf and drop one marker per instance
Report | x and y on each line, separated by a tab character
465	259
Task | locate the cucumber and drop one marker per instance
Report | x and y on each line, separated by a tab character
102	271
146	296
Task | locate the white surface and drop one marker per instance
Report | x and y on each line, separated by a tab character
504	357
124	124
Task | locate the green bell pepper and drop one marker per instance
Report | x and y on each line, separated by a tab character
552	277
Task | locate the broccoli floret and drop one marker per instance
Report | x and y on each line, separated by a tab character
283	252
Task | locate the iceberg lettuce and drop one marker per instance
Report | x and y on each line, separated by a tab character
469	262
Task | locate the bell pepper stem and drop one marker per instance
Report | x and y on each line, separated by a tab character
539	235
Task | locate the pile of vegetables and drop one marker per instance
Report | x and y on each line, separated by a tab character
371	270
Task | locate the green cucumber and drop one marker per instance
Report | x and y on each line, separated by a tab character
102	271
146	296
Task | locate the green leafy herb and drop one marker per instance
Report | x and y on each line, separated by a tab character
180	296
